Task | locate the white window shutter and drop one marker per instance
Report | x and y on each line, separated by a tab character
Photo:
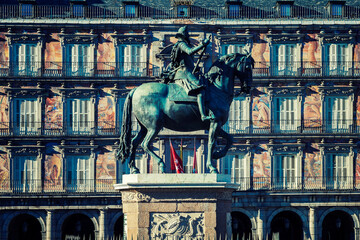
332	59
143	59
281	59
75	59
22	59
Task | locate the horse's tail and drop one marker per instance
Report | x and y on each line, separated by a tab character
125	136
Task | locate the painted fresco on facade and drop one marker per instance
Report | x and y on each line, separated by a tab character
261	111
261	52
54	113
312	54
106	168
357	58
312	109
4	52
106	54
358	111
53	54
4	169
357	170
312	168
106	111
262	168
53	172
4	111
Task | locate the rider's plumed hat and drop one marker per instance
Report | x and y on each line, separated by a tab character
183	33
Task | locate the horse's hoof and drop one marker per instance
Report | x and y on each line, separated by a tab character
134	170
212	169
162	167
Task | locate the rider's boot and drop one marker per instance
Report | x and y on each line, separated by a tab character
201	104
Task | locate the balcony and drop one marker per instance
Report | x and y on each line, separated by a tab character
142	69
294	184
306	126
84	69
156	12
241	127
307	69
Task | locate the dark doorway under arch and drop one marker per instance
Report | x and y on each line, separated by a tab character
286	225
78	226
241	226
24	226
119	228
338	225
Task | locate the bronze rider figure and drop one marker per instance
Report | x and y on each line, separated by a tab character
182	62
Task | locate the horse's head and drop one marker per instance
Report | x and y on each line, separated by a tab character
244	68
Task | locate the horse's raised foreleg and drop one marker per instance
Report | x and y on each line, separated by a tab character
211	145
229	142
151	134
134	144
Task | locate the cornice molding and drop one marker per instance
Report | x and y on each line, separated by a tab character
130	39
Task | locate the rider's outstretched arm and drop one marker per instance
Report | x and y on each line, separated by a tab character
190	51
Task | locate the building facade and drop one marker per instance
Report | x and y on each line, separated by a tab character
66	68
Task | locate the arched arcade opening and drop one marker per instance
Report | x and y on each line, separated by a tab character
241	226
24	226
338	225
286	225
78	226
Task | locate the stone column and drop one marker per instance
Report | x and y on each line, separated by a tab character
102	225
261	225
49	223
312	223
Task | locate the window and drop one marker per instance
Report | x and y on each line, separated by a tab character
338	115
26	174
132	60
27	60
336	10
81	119
78	10
130	11
234	11
338	173
78	173
285	114
285	10
79	60
239	168
26	10
183	11
238	120
286	60
338	58
188	160
233	48
285	172
27	116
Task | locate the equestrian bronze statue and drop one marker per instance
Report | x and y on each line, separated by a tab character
178	106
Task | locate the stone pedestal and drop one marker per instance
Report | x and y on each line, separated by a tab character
177	206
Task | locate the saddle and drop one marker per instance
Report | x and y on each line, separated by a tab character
178	94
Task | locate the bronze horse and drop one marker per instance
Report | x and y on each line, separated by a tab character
154	110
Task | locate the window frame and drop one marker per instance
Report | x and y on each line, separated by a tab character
239	123
26	127
344	116
185	9
333	178
277	113
286	60
132	60
72	166
25	180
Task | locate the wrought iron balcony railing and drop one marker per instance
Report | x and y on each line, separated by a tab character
142	69
76	186
78	69
145	12
103	128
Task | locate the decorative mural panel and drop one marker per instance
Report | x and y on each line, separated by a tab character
261	52
4	111
311	52
54	114
357	170
4	50
261	169
261	111
53	172
106	112
106	168
4	170
106	53
53	53
312	109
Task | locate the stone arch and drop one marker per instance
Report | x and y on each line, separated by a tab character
351	213
248	214
36	215
303	218
61	221
113	221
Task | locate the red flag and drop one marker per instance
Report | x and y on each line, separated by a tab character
194	163
176	161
